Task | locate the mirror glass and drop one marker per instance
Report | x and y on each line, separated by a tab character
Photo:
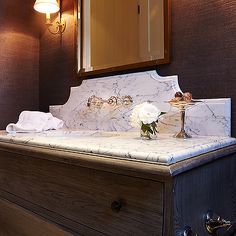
115	35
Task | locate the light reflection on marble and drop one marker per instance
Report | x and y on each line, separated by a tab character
125	145
211	117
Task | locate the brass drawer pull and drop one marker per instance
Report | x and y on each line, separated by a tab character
213	223
116	206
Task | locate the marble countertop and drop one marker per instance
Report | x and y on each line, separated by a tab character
124	145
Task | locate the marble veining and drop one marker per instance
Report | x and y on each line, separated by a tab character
210	117
97	121
124	145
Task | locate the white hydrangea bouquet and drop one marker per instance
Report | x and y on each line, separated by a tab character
145	116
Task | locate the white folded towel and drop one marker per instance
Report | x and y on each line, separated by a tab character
34	121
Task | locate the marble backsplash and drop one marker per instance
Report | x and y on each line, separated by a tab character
107	103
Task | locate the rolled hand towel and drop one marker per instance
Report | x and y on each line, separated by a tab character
34	121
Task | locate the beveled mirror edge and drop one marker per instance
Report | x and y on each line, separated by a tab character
75	55
129	68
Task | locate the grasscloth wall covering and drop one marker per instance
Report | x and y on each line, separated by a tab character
203	53
204	49
57	61
19	50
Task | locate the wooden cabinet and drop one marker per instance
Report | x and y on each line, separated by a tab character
56	192
16	221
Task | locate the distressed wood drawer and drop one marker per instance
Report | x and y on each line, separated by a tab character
14	220
84	196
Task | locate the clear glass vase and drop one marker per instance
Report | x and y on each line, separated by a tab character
147	135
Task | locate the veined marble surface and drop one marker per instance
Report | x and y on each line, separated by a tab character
125	145
210	117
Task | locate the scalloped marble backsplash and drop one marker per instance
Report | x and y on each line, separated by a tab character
106	104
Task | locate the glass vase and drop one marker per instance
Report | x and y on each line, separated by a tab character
147	135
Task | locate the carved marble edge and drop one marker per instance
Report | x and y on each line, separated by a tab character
115	164
127	145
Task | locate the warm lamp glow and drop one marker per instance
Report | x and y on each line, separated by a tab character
46	6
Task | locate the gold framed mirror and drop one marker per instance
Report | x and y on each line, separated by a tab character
121	35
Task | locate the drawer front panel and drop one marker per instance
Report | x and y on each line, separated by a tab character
16	221
109	203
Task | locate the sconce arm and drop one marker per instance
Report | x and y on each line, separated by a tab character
58	28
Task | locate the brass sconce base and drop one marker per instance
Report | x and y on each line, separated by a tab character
59	28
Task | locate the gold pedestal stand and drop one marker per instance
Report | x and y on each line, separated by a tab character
182	105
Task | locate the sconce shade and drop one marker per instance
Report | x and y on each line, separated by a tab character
46	6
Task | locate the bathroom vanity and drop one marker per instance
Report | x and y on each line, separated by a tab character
113	183
98	177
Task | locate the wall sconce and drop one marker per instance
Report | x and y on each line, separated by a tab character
48	7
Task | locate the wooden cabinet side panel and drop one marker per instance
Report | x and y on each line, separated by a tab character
209	187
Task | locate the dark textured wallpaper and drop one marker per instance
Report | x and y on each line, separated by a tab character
204	49
19	50
203	53
57	61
